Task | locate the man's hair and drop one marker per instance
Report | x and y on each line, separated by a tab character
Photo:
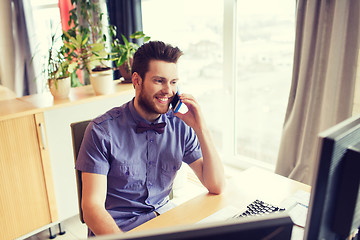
154	50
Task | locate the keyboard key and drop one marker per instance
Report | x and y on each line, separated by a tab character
258	208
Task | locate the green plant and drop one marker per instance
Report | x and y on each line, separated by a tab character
86	55
123	53
85	41
86	18
58	65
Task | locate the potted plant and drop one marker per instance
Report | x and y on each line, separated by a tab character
123	53
91	57
58	70
87	45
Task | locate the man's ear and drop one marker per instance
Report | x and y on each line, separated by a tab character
136	79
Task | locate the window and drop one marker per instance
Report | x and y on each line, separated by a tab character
237	63
264	57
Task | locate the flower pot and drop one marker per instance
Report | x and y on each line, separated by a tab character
125	71
60	88
102	82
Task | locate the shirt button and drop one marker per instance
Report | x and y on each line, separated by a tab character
151	140
150	184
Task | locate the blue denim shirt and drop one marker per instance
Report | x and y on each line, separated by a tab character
140	168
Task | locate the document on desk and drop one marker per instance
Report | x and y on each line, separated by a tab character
297	207
221	215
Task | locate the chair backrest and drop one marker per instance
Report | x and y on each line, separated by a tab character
77	132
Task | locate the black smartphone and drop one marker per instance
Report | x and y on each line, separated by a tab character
176	102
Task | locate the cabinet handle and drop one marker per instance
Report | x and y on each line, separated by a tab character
42	133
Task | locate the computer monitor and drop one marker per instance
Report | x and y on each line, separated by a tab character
276	226
334	211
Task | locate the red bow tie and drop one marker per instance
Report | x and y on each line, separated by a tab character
157	127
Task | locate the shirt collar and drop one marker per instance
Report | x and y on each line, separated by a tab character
138	118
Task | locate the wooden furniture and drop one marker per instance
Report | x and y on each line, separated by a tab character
37	175
27	199
251	184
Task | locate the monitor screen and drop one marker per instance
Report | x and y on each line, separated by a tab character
334	203
276	226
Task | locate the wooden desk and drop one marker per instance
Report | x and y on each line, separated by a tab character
241	190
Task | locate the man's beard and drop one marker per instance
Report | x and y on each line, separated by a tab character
146	103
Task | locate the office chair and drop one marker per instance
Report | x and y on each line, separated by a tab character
77	131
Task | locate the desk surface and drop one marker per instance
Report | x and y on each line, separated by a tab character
240	190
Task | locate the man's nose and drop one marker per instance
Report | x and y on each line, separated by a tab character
167	88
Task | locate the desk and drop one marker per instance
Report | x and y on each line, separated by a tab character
240	190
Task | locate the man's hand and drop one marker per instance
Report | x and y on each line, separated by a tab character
193	117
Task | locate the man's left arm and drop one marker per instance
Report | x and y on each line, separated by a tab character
209	169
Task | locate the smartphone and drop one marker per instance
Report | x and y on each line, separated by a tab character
176	102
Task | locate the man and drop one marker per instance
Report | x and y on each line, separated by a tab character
128	167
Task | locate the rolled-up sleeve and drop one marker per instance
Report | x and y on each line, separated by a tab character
192	147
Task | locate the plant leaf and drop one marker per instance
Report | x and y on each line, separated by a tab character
126	42
72	67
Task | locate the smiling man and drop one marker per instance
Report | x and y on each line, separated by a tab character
130	155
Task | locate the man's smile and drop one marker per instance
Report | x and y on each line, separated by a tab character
163	100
